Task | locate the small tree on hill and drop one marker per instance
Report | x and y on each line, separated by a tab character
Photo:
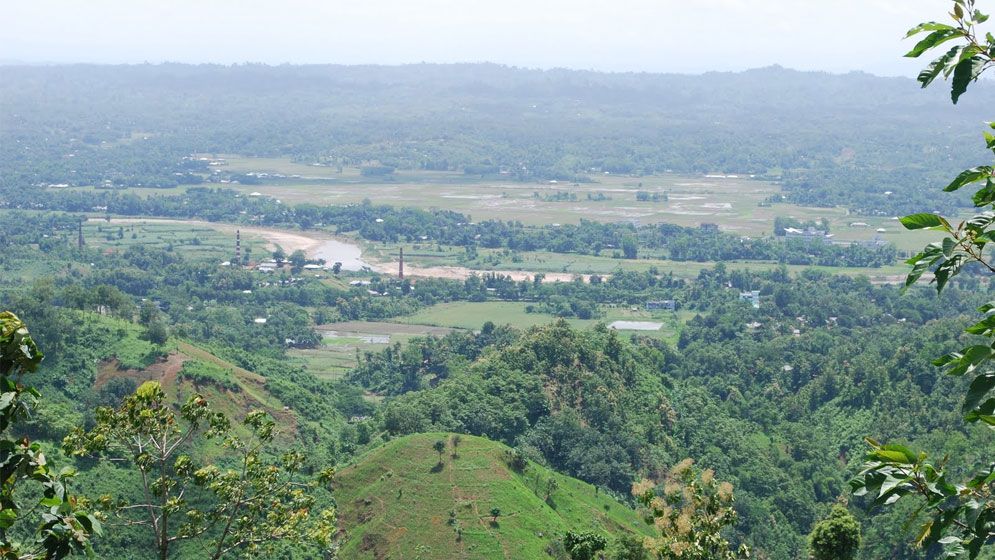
495	513
836	537
440	447
157	333
551	486
250	507
456	440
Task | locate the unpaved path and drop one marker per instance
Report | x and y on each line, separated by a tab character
462	273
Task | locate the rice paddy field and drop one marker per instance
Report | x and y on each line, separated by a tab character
498	260
341	341
736	203
213	242
471	315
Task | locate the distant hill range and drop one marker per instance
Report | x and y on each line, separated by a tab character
134	124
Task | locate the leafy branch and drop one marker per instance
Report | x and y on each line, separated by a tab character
965	61
961	515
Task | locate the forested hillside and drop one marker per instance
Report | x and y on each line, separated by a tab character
246	312
776	399
781	414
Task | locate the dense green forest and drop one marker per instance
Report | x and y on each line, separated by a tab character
775	399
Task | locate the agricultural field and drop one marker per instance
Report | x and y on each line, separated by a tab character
342	341
471	315
560	266
737	203
199	241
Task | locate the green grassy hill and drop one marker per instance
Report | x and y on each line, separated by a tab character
399	502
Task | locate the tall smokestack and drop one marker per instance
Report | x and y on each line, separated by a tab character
400	265
238	247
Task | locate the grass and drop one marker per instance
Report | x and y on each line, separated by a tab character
337	353
397	502
735	203
472	315
423	255
198	242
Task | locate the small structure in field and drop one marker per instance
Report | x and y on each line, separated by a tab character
665	305
635	326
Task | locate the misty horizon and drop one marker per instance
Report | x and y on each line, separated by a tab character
630	36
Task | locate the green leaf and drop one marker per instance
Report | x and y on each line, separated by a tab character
965	72
979	388
910	456
967	359
947	270
50	502
921	263
934	68
891	456
949	245
969	176
980	221
922	220
928	26
985	195
985	326
934	39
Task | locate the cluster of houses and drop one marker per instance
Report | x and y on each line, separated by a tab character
273	265
752	296
808	234
661	305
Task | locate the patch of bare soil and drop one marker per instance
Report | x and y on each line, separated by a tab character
165	371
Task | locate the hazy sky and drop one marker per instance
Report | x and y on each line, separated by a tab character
614	35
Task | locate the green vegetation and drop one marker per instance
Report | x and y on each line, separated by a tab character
471	315
61	524
690	511
836	537
485	410
959	516
829	138
400	501
251	506
200	373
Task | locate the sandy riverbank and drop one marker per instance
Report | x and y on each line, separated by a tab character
323	246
